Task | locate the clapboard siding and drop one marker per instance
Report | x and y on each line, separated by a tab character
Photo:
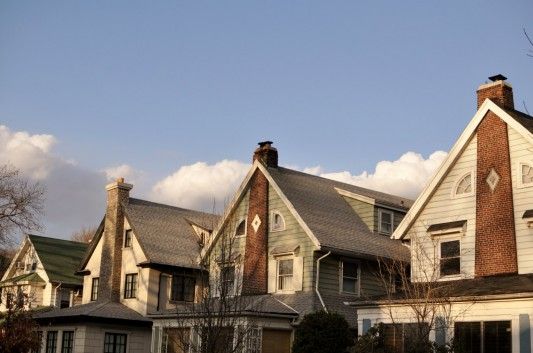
443	207
366	211
521	151
292	235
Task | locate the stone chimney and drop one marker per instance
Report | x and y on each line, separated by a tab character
111	260
495	245
498	91
266	154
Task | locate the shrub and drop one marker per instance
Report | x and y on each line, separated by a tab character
322	332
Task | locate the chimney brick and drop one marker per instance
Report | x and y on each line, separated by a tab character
266	154
500	92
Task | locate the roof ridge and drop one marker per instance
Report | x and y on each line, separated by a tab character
59	239
177	208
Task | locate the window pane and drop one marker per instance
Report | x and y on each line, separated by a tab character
467	337
449	249
527	174
349	285
497	337
349	269
451	266
51	342
285	267
68	342
189	289
241	228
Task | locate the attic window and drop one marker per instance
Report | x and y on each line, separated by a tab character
385	221
241	229
464	185
127	238
526	172
277	222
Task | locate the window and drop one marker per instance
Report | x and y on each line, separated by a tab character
127	238
483	337
450	258
130	287
241	229
94	288
182	288
51	341
114	343
285	274
526	172
40	340
67	346
277	222
385	221
350	277
227	280
464	186
401	338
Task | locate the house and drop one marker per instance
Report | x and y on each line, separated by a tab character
473	227
143	258
43	272
289	243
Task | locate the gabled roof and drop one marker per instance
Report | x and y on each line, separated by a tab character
60	258
519	121
324	214
165	232
31	277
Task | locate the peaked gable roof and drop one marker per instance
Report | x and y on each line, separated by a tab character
60	258
519	121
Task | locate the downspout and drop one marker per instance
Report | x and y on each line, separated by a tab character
57	290
317	280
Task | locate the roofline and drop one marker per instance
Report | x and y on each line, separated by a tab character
93	245
128	218
453	155
370	200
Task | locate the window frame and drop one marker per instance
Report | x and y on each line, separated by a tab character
94	293
231	290
381	211
448	240
357	279
182	297
279	259
114	336
128	238
130	287
51	348
472	174
520	183
70	343
241	220
280	228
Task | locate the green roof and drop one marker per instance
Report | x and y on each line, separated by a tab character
60	258
27	277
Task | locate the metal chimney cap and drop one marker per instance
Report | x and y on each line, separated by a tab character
265	143
498	77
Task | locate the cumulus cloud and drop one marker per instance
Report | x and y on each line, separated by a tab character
201	185
405	176
131	175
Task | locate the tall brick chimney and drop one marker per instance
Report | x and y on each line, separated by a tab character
111	261
495	249
266	154
255	272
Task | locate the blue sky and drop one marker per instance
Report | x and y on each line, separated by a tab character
338	84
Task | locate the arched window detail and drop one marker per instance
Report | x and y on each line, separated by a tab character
240	231
277	223
526	172
464	186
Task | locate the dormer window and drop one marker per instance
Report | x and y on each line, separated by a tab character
464	185
127	238
285	274
385	222
526	172
277	223
240	231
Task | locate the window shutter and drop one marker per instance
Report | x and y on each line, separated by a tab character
272	275
239	271
215	281
156	333
298	270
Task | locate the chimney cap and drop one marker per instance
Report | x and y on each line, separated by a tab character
498	77
265	143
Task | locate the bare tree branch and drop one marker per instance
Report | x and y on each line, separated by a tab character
84	235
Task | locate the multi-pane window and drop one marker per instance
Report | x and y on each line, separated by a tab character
241	229
349	277
277	222
483	337
40	340
385	222
114	343
67	344
450	258
127	238
130	286
401	338
227	280
464	186
527	173
94	288
182	288
51	342
285	274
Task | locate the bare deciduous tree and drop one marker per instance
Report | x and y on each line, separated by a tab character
84	235
21	204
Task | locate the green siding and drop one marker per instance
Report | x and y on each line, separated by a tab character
364	210
293	234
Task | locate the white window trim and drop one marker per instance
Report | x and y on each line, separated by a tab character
380	212
341	277
245	228
272	229
519	182
278	259
124	240
445	239
221	266
456	185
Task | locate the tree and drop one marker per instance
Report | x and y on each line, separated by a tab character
21	204
84	235
530	51
323	332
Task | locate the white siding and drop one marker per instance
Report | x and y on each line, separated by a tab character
93	265
443	207
521	151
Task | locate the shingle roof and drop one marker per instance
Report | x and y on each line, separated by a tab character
331	219
524	119
165	232
60	258
94	311
31	277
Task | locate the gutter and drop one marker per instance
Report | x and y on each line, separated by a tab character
317	279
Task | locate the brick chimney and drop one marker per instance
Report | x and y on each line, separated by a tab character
498	91
266	154
255	272
495	246
111	261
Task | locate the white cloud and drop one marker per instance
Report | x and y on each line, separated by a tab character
125	171
201	185
405	176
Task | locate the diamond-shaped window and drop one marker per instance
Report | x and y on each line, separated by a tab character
492	179
256	223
